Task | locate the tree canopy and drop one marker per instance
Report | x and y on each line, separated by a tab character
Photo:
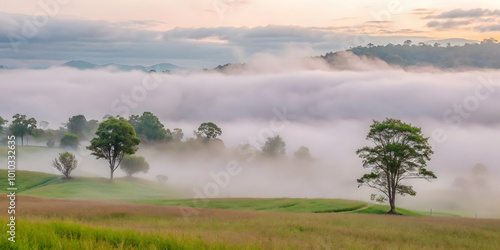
77	124
2	122
400	153
70	140
274	146
148	126
22	126
302	153
115	139
134	164
208	130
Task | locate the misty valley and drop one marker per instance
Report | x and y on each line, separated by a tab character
235	124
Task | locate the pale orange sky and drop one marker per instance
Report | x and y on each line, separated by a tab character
250	13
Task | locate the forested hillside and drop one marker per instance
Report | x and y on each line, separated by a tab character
479	55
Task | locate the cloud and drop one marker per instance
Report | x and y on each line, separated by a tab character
101	42
422	11
475	19
450	24
459	13
309	89
486	28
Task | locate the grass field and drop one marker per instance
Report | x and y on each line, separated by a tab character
142	191
72	224
52	186
135	190
273	205
114	220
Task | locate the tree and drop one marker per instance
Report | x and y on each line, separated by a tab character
400	153
2	122
115	139
208	130
148	126
407	42
274	146
490	40
65	163
162	179
70	140
77	124
51	141
177	135
134	164
91	126
22	126
107	116
43	124
302	153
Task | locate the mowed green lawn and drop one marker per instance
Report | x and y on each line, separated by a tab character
44	223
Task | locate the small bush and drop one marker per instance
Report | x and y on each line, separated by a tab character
65	163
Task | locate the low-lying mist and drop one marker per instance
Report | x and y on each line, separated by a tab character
329	111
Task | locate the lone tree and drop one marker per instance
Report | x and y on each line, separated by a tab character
22	126
208	130
115	139
400	153
274	146
134	164
65	163
70	140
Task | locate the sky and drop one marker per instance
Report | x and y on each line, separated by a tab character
207	33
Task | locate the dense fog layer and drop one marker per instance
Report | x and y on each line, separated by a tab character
327	110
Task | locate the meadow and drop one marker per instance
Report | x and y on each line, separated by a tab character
141	191
159	222
45	223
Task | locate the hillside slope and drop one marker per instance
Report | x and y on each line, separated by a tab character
53	186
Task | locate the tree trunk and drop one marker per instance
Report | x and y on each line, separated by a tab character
392	201
22	141
111	175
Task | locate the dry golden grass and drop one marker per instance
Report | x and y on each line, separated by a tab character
256	230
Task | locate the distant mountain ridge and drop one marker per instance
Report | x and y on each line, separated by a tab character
161	67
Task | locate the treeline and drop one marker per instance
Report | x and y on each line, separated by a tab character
485	54
147	127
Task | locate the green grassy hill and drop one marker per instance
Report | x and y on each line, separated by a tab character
53	186
141	191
